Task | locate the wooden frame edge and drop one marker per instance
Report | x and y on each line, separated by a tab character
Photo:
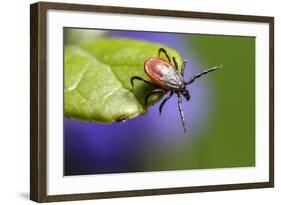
37	102
154	192
153	12
33	103
271	100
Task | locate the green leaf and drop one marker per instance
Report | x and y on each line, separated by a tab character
97	79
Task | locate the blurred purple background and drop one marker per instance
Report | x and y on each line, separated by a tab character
92	148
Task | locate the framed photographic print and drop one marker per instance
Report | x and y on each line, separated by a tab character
134	102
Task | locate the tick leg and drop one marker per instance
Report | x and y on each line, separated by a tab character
183	67
176	64
141	79
165	52
152	93
164	101
202	73
182	114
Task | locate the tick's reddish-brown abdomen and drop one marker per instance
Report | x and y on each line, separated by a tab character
154	67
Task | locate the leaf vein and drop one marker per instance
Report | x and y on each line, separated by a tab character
117	78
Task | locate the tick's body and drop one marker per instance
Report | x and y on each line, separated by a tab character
166	77
163	74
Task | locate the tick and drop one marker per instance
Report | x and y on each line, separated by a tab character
166	77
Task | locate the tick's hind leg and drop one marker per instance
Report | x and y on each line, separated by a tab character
164	101
163	50
160	91
141	79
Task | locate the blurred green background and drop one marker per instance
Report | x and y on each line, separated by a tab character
230	137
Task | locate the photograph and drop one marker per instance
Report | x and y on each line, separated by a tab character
146	101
